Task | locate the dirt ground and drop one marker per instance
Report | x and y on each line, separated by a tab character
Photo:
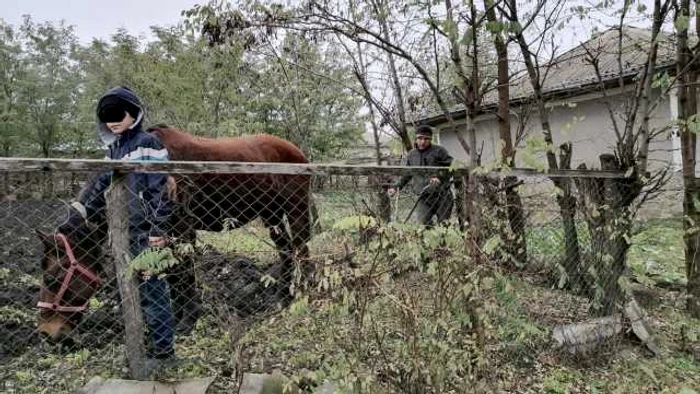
19	261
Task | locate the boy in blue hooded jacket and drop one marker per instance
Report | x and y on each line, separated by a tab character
120	114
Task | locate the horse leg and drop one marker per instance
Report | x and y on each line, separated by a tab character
186	299
282	272
298	211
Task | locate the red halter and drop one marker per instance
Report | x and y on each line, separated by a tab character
87	273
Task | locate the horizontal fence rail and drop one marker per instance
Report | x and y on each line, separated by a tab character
188	167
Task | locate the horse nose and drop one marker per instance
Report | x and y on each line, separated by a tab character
55	335
62	334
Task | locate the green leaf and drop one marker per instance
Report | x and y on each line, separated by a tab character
467	37
681	23
661	80
693	123
152	261
495	27
492	244
515	27
94	303
300	307
450	28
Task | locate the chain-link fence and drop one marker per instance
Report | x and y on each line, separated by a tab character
300	268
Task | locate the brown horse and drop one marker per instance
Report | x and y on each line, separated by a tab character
203	201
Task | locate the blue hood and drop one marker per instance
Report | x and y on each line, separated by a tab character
123	93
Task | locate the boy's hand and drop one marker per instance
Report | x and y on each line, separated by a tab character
156	241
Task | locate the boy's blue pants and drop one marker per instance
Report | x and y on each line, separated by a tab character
155	305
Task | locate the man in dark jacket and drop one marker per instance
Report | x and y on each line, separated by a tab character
435	196
120	115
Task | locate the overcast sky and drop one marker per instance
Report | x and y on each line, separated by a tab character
95	18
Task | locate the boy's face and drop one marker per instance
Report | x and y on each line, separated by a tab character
121	126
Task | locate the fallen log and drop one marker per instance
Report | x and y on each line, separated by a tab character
98	385
584	336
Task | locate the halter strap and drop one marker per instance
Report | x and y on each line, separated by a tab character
86	272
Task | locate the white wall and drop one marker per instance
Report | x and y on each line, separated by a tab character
584	121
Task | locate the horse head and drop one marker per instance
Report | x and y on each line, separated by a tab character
70	267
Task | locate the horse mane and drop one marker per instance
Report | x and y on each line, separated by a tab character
85	239
251	148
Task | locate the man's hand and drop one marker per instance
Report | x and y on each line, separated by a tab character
391	191
156	241
434	181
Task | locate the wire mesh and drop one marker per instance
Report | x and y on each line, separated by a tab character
241	247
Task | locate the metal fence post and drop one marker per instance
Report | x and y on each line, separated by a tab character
118	219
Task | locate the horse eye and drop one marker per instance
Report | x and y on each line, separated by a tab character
53	275
50	281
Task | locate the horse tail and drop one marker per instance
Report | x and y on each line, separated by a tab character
314	216
303	212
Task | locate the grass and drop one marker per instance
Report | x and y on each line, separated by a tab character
527	310
655	254
623	366
657	251
253	239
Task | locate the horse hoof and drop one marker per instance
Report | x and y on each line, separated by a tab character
185	326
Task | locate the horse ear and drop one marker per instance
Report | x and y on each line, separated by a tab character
49	240
157	127
44	237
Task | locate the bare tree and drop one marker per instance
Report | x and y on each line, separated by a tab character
537	74
609	203
326	17
360	69
686	77
514	205
470	91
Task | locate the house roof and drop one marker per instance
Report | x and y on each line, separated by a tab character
571	74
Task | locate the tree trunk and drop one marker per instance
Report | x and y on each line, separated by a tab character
606	208
646	84
691	240
395	83
575	271
620	194
565	199
467	208
383	200
514	206
687	107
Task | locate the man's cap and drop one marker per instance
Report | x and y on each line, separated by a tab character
424	131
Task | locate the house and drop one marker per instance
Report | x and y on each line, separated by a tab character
578	110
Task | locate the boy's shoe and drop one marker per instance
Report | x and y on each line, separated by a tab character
155	365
